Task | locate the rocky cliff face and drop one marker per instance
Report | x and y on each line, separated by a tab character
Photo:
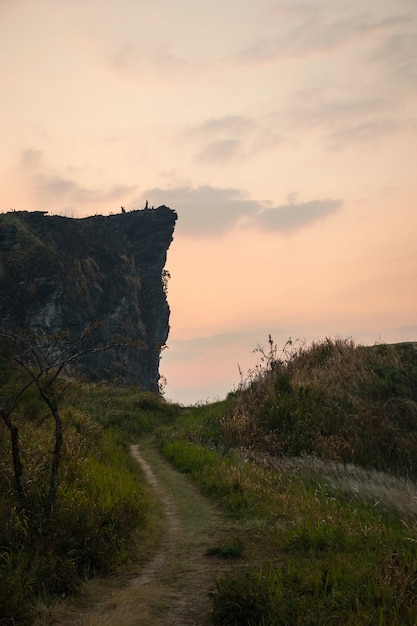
58	273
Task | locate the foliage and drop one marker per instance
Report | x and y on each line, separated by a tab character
100	504
324	541
103	505
132	413
233	550
33	362
312	555
335	400
317	540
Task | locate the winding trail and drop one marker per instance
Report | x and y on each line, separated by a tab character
173	588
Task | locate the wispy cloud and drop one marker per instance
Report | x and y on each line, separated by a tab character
209	211
204	211
58	191
317	107
123	58
315	35
30	159
231	137
369	131
295	215
133	61
167	61
218	126
219	150
345	117
398	53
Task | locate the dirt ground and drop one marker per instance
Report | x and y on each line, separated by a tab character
173	588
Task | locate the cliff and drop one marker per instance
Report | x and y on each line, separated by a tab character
59	273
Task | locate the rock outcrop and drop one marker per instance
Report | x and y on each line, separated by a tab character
63	274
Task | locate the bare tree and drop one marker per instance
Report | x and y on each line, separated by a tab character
37	360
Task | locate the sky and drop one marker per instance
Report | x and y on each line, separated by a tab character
283	133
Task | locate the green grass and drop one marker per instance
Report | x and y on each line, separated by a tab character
334	400
324	558
314	459
324	542
132	413
104	508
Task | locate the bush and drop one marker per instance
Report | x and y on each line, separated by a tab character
240	599
333	399
100	506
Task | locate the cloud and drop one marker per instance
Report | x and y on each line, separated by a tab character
219	150
367	131
204	211
57	190
210	212
398	53
295	215
146	62
30	159
167	61
311	107
230	137
219	126
52	187
122	59
345	118
315	35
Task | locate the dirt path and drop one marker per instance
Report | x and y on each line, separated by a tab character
172	590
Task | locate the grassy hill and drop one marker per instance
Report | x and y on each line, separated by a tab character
313	457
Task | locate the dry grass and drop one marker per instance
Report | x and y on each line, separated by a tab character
334	400
380	489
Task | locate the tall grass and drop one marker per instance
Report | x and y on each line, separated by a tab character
335	400
306	457
313	555
130	412
103	503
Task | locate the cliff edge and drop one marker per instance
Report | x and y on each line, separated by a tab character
64	274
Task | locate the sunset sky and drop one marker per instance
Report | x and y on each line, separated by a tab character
283	133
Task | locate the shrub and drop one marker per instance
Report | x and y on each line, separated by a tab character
333	399
101	504
241	598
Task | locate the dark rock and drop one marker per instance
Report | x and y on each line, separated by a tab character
7	236
63	274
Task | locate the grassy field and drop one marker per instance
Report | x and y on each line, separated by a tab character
313	458
104	514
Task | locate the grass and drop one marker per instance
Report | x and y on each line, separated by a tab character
314	457
334	400
104	508
134	414
332	557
